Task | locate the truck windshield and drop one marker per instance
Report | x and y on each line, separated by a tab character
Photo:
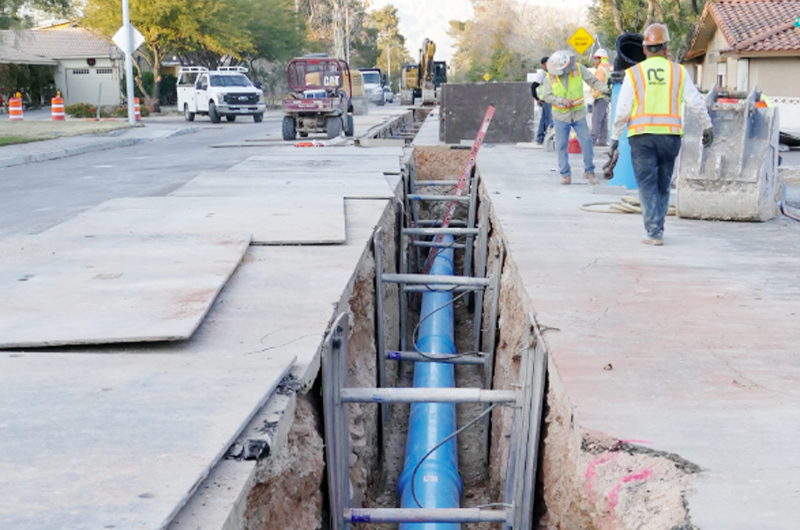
372	78
230	80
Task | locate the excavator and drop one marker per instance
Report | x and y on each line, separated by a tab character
422	79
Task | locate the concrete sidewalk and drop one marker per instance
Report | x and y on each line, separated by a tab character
19	154
690	348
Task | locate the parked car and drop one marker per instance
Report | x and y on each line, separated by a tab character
388	96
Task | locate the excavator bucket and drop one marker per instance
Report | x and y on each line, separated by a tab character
736	178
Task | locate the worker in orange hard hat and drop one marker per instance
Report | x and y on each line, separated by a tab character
600	107
650	108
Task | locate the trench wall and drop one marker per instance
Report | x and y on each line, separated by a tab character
585	479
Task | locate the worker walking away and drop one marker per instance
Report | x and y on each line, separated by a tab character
564	91
600	108
649	105
546	118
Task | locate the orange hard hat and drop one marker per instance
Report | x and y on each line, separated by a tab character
656	34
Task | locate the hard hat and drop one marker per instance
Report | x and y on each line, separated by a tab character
601	52
560	62
656	34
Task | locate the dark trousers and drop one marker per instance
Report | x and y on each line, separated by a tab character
545	121
600	122
653	157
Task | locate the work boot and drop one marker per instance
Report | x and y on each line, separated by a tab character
654	241
590	177
566	179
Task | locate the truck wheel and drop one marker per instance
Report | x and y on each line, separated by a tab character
258	118
212	113
289	131
230	118
350	128
333	126
189	116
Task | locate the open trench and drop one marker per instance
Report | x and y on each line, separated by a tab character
585	480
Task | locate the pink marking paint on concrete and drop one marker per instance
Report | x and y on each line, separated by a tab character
633	441
614	493
591	473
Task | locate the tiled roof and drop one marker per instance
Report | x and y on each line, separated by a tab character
758	25
9	55
59	43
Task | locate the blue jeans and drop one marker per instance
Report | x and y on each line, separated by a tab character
545	121
653	157
562	144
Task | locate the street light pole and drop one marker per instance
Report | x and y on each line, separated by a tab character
126	23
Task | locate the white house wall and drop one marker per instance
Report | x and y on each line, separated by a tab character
81	83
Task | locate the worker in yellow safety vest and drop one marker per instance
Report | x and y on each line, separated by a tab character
649	107
600	107
564	91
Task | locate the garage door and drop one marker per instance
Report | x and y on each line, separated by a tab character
86	85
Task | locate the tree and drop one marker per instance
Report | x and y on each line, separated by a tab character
390	41
16	13
614	17
506	38
209	28
325	17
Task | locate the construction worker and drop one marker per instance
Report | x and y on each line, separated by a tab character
564	91
649	105
600	108
546	118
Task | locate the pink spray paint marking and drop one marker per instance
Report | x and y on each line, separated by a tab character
591	473
613	496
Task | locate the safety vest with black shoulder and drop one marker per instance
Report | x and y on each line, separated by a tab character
573	91
657	96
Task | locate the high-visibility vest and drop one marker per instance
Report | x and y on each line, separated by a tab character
573	90
657	95
602	75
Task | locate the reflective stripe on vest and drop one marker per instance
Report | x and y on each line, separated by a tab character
657	96
603	69
573	90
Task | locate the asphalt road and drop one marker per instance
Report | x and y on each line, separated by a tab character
35	197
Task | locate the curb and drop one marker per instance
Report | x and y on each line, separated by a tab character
90	148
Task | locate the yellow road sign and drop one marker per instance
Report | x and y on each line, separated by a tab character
581	40
486	77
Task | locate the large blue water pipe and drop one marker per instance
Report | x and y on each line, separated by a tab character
437	483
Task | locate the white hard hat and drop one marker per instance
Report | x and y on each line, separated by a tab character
560	62
601	52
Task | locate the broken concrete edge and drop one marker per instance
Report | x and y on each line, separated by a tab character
219	501
590	479
230	496
84	149
225	449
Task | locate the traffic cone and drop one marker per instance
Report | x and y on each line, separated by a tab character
15	108
57	108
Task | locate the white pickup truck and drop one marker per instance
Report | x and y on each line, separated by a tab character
225	91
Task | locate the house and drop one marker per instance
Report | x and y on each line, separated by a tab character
89	67
741	44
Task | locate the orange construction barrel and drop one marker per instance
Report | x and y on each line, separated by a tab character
136	111
57	108
15	108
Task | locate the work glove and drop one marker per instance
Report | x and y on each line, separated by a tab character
613	156
708	137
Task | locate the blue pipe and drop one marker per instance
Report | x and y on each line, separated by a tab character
437	483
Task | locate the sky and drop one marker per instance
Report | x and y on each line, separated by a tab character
428	18
431	18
